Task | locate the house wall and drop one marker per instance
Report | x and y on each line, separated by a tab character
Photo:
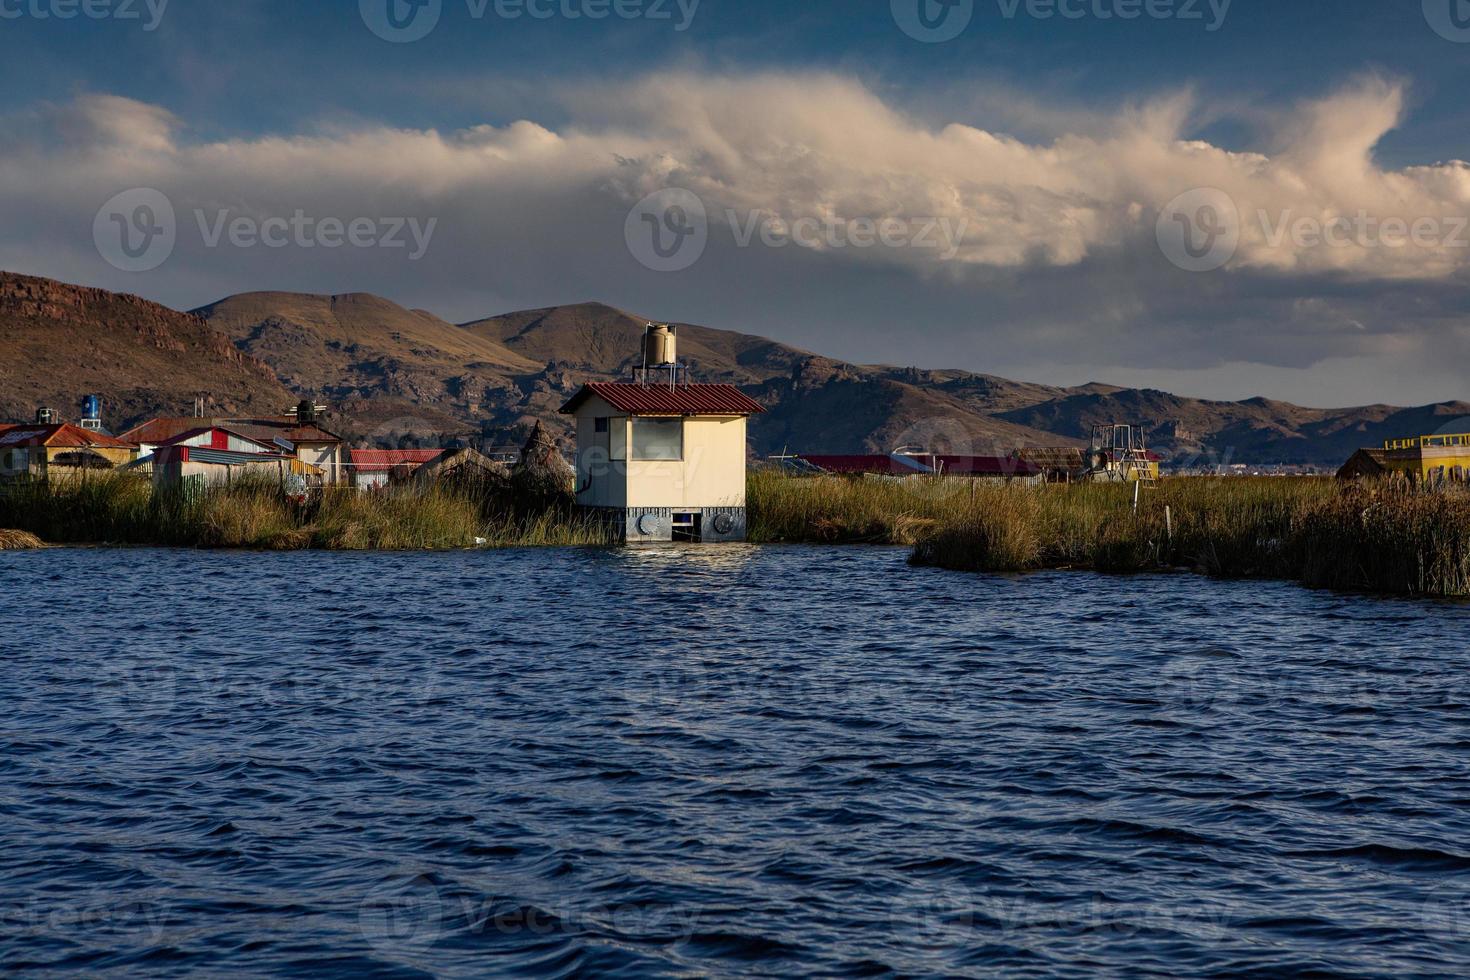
117	457
327	457
711	474
370	481
1431	463
220	439
176	471
601	479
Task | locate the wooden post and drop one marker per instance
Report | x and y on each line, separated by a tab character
1169	521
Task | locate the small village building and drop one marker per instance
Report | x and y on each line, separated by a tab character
323	452
59	450
664	459
373	469
203	466
1429	460
213	455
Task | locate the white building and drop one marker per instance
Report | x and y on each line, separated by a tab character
663	458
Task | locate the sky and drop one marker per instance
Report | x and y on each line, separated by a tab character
1221	198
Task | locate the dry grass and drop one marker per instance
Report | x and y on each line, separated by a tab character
19	541
1383	538
125	509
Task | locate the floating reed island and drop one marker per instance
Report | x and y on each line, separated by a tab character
1383	537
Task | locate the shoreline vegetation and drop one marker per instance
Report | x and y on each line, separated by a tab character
122	509
1356	537
1365	537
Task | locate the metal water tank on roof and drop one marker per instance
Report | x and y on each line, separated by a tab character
660	346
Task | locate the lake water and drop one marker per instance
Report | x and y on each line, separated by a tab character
721	761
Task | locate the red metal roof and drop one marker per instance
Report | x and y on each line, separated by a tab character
663	400
160	430
383	460
919	465
60	436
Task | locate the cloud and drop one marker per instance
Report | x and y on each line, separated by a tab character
1055	241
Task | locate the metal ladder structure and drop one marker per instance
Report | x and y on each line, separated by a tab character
1120	453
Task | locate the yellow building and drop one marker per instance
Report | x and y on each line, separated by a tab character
664	459
1429	459
49	451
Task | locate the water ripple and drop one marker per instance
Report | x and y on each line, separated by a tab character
721	761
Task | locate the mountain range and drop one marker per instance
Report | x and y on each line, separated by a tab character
391	375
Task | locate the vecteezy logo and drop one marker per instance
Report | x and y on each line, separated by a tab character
135	231
402	913
668	230
1449	18
933	21
401	21
1199	230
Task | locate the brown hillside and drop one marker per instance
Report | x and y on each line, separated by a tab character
396	375
60	342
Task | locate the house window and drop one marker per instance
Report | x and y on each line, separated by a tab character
599	425
658	439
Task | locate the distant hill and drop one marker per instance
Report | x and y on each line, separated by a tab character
393	375
60	342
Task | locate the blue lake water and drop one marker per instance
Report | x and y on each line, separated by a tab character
720	761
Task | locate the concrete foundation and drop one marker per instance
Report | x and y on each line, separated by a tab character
694	525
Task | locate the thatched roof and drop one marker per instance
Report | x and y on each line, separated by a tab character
1364	463
461	464
542	460
1066	459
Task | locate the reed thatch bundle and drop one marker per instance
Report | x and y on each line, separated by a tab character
19	541
543	478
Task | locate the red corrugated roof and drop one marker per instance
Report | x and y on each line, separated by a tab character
161	430
382	460
663	400
60	436
918	465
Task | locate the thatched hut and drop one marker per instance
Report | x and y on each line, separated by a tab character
464	469
1365	464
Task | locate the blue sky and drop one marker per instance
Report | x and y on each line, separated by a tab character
268	108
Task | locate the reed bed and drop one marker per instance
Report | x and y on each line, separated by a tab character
126	509
1386	537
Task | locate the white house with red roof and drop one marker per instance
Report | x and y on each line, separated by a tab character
663	458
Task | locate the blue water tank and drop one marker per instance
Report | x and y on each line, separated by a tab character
91	407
